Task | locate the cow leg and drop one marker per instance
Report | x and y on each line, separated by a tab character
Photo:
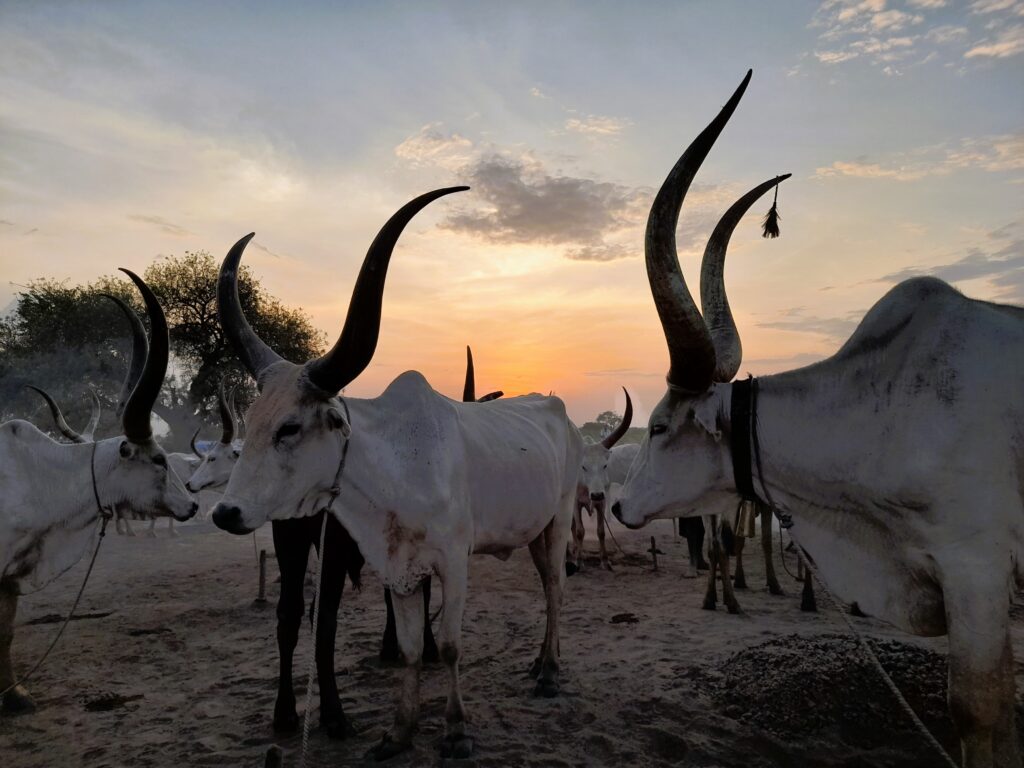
981	680
739	579
688	531
728	597
540	562
766	547
170	527
17	699
430	652
151	533
807	601
409	627
600	536
456	743
554	538
578	532
711	594
389	645
291	547
332	585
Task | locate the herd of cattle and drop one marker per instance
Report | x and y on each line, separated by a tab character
897	464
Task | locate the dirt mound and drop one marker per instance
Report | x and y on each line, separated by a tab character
806	688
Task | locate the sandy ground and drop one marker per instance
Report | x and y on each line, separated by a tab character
172	664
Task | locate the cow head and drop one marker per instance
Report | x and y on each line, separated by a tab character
134	467
217	463
683	467
594	471
297	427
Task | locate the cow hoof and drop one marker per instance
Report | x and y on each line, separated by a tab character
286	720
571	569
535	668
387	749
389	655
606	565
703	565
17	701
739	584
456	747
856	611
735	610
709	605
546	688
775	589
338	728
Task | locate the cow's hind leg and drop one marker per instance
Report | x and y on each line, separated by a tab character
711	593
389	645
547	550
739	579
409	626
724	548
766	547
981	680
16	700
456	743
291	547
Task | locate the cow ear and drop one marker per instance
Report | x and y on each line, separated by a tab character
705	413
126	450
336	419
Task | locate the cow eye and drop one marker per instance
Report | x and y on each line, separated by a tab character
160	460
659	429
286	431
213	459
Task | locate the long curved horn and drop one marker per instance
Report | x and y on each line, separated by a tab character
469	390
226	416
58	417
627	419
136	419
714	303
140	349
358	340
255	355
193	446
94	419
691	351
490	396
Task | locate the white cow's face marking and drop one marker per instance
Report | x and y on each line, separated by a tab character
215	469
145	483
594	470
290	459
680	470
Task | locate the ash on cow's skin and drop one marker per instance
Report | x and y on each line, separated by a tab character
800	688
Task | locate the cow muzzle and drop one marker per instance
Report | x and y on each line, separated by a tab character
229	518
617	513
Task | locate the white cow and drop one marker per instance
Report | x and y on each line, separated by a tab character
420	481
51	494
594	486
900	459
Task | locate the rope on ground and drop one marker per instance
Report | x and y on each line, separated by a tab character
869	654
312	657
81	591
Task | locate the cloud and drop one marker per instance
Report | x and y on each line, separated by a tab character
526	204
929	4
1009	42
596	125
165	226
994	154
539	94
601	252
946	33
624	372
834	328
432	146
991	6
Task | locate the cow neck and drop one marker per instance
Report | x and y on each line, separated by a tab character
745	447
336	486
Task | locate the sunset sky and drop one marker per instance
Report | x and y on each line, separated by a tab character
134	130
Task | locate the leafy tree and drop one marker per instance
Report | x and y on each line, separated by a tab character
67	338
604	423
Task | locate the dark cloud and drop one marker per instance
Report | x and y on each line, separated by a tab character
527	205
157	221
1004	267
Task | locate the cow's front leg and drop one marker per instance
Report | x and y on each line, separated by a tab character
739	579
457	743
389	653
151	532
766	547
600	535
409	627
16	700
981	681
728	596
170	527
291	547
711	594
332	586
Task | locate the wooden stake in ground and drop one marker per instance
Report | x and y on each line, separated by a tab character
654	553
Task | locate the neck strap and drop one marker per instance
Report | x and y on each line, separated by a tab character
336	487
101	510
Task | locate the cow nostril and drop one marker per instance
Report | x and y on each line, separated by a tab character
597	496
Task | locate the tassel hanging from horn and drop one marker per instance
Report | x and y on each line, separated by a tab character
771	219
